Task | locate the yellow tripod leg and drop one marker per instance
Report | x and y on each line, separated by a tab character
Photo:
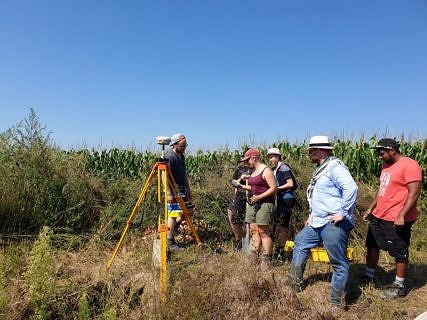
163	229
131	217
189	220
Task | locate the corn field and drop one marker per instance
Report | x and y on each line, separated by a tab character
130	163
79	190
359	156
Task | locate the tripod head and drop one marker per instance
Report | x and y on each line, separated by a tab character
163	141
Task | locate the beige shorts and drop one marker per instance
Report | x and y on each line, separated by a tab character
261	214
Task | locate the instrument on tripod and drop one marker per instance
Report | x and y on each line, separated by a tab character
165	184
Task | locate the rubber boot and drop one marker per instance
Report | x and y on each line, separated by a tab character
295	278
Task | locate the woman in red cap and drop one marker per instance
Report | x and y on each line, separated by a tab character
260	208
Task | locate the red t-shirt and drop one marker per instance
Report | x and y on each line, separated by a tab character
393	190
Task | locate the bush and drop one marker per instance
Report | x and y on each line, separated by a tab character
42	185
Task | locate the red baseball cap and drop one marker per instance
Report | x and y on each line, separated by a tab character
252	152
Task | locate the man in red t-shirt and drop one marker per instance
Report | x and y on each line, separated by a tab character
392	214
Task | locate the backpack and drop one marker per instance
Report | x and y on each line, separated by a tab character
292	176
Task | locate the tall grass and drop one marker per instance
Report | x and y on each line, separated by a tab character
3	294
82	191
86	196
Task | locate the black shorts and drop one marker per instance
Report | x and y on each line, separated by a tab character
238	209
384	235
284	212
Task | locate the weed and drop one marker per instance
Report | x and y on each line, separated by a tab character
84	307
39	277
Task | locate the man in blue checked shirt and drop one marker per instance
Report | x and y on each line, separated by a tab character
332	195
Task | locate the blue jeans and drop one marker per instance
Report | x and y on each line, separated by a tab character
335	241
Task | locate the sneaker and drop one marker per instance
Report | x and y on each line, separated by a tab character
173	246
393	291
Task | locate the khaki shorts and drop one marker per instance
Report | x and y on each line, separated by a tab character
261	214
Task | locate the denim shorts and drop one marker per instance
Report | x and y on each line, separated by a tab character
384	235
260	213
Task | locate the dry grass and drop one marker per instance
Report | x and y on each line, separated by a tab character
201	285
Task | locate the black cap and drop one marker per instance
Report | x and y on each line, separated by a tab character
387	143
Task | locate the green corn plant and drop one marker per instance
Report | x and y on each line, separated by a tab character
360	158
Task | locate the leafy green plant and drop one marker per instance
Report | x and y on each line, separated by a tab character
39	277
109	313
84	307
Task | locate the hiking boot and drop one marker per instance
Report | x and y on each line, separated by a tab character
173	246
296	278
393	291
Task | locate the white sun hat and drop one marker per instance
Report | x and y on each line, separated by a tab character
274	151
319	142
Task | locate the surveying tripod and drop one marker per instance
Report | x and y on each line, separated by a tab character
164	180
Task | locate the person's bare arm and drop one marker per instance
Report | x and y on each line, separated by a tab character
414	189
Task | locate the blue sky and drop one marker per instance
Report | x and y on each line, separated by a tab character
120	73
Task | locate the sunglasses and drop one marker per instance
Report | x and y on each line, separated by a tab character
381	152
